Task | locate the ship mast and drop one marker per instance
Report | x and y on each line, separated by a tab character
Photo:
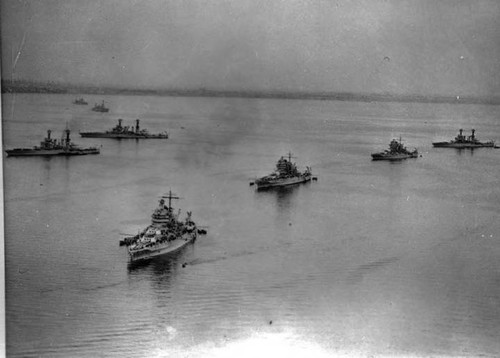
170	196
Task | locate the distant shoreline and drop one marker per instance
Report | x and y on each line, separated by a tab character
51	88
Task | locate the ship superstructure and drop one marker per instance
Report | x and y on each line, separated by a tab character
396	151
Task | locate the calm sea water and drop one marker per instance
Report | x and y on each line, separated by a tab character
373	259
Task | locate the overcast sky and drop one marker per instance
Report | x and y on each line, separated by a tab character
449	47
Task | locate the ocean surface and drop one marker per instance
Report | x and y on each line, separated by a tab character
373	259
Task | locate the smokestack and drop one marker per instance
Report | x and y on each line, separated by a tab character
67	136
48	134
137	126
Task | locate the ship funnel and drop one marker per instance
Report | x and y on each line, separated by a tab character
460	130
48	134
67	135
120	122
137	126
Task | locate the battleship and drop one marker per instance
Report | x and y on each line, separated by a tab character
80	101
286	173
125	132
100	108
396	151
165	235
52	147
462	141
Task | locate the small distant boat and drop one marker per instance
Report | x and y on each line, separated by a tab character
80	101
165	235
462	141
126	132
52	147
286	173
396	151
100	108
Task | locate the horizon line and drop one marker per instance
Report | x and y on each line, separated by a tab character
30	86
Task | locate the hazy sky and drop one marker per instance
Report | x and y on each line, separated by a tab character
447	47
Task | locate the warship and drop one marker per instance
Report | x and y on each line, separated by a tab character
50	147
80	101
396	151
286	173
100	108
125	132
165	235
462	141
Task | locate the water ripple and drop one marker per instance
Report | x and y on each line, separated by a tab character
356	275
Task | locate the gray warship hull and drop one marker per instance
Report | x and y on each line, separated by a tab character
161	249
122	135
385	156
463	145
28	152
279	182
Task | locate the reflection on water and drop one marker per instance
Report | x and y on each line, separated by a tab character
284	196
466	151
